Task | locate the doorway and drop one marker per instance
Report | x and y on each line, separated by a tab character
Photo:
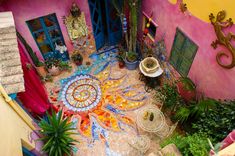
106	24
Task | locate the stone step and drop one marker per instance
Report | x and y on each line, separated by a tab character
11	71
12	79
7	30
10	63
8	36
14	88
9	56
9	49
8	42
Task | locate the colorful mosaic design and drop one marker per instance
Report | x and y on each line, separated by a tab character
81	93
102	93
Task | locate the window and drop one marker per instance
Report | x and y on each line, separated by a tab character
46	33
151	29
182	53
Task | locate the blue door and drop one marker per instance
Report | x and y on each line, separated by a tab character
47	34
106	23
114	25
97	25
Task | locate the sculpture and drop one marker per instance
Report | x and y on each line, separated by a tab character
222	38
76	23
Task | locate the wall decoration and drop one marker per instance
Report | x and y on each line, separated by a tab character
222	38
183	7
76	23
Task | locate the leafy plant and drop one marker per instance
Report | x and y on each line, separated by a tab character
56	134
131	56
182	114
190	145
77	57
64	66
217	122
50	62
194	110
169	96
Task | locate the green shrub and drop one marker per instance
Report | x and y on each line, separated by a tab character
169	96
190	145
218	122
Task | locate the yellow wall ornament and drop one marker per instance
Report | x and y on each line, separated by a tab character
76	23
222	38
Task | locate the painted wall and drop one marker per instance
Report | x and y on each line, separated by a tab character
13	130
211	79
24	10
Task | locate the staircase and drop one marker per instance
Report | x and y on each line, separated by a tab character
11	73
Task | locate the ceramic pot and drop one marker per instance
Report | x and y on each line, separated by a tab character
150	65
41	71
54	71
131	65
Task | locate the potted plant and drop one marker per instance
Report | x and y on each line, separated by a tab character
64	66
77	58
40	68
52	65
56	133
131	56
186	88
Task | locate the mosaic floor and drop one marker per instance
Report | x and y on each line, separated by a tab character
102	101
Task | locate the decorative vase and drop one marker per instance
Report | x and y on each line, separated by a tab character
131	65
41	71
150	65
54	71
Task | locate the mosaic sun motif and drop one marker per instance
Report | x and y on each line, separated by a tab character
81	93
99	94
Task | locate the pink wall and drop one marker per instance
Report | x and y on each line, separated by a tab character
211	79
24	10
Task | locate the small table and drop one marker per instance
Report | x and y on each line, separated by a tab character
150	126
151	80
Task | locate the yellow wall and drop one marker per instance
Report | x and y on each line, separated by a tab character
13	131
202	8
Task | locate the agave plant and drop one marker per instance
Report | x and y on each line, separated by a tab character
57	135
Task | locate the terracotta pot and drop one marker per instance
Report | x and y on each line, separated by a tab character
41	71
121	64
54	71
187	95
78	63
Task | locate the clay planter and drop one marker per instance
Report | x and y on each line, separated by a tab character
54	71
121	64
78	63
187	95
150	65
41	71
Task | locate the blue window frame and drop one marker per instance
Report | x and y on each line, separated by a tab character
46	33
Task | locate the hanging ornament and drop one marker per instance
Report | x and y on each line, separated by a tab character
124	24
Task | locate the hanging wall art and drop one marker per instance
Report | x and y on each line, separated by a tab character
223	39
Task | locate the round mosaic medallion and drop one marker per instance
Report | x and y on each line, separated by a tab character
81	93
